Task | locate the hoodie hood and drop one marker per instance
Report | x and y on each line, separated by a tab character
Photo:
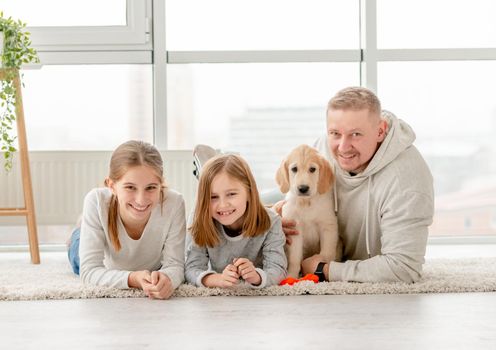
399	137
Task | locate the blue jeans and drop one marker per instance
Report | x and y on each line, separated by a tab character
73	251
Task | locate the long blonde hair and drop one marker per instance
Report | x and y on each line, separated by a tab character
256	221
128	155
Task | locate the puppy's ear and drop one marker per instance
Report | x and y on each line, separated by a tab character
282	176
326	176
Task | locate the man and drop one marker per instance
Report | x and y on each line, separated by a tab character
384	190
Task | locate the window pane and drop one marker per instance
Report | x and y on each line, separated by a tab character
436	24
259	110
262	25
452	109
93	107
66	13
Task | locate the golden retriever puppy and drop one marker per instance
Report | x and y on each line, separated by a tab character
306	177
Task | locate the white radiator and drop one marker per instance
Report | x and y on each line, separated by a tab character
61	180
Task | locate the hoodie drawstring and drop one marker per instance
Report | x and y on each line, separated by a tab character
335	191
367	210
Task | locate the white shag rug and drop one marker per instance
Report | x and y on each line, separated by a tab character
53	279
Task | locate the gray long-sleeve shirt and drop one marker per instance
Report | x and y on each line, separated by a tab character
266	251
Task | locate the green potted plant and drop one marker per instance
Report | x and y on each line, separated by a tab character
15	51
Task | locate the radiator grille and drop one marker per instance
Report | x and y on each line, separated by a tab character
61	180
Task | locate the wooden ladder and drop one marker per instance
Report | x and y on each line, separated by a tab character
28	209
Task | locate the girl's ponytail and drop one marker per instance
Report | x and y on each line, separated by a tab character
112	223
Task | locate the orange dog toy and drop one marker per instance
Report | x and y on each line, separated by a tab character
308	277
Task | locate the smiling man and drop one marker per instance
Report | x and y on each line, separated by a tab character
384	193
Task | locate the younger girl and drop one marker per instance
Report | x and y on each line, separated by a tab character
132	232
234	237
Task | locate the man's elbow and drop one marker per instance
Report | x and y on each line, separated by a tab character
408	274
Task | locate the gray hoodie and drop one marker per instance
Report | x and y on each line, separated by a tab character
384	212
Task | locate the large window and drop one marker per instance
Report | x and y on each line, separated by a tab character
261	25
452	109
94	87
58	25
254	77
438	76
76	13
88	107
261	110
422	24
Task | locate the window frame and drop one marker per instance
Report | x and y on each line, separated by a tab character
135	35
143	41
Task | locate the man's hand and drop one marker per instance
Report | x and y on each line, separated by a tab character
288	226
278	207
309	265
289	229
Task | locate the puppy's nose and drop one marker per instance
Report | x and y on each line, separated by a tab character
303	189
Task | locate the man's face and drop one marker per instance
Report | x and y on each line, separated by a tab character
354	137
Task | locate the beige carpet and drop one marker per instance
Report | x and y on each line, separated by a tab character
53	279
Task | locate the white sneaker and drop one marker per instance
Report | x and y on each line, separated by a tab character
201	153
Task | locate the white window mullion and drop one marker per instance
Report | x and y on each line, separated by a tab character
368	44
436	54
265	56
92	57
159	76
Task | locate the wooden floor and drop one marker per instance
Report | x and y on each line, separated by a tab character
435	321
428	321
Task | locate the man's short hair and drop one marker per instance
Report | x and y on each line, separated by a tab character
355	98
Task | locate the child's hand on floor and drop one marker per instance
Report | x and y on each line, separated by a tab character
139	279
247	271
160	286
227	279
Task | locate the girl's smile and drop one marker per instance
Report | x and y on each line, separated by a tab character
138	191
228	201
